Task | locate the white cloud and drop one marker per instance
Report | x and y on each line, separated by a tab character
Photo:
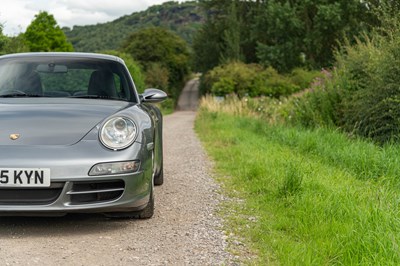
16	15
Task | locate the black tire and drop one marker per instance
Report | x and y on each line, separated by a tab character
146	213
159	178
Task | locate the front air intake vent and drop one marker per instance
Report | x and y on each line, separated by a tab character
31	196
94	192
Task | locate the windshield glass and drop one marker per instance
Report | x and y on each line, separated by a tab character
64	77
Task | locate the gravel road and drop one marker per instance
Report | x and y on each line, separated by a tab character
183	231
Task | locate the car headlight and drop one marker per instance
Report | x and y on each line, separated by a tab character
118	133
114	168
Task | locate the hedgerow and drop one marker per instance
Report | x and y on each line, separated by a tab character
253	80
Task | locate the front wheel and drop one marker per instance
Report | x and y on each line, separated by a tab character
146	213
159	178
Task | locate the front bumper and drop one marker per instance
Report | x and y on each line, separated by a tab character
72	189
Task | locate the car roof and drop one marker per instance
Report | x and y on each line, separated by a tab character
65	55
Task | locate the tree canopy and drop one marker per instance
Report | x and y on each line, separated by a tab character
160	46
44	35
3	39
279	33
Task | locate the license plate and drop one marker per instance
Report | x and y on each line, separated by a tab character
24	177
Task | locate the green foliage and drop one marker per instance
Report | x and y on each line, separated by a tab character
157	76
279	33
283	28
10	45
273	84
307	197
133	67
3	39
44	35
15	44
206	49
317	106
167	106
159	46
292	181
226	35
362	95
224	86
182	18
369	78
231	37
303	78
307	32
252	80
235	77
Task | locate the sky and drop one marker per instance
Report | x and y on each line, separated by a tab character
16	15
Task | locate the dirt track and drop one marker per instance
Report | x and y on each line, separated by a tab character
184	230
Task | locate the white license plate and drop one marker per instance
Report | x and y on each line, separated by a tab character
24	177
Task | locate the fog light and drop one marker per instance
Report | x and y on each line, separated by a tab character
114	168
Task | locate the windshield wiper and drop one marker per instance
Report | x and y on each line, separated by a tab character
95	97
18	94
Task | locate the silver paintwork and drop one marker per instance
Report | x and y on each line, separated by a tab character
62	134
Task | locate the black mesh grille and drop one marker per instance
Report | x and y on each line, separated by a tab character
30	196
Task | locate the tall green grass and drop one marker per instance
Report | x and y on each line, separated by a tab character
318	198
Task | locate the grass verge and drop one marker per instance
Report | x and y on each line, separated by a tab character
310	197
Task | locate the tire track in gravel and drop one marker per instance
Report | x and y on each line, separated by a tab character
183	231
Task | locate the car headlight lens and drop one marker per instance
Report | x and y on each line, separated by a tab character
114	168
118	133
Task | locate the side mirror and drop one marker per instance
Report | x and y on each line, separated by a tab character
153	96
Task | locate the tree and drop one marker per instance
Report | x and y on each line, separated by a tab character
306	32
231	36
158	45
133	67
226	35
283	34
11	44
206	47
3	39
279	33
44	35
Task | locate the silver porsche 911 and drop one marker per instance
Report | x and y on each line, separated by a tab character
75	136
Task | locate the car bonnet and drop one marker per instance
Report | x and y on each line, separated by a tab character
52	122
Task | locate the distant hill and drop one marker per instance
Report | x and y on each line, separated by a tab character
183	18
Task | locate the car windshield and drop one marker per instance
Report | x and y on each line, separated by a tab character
49	76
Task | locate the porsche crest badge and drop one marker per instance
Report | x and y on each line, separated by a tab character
14	136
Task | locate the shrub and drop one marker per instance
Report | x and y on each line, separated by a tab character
271	83
253	80
236	75
316	106
303	78
370	78
362	96
223	87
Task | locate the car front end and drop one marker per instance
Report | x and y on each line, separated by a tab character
74	137
81	173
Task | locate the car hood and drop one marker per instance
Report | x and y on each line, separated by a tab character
52	121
